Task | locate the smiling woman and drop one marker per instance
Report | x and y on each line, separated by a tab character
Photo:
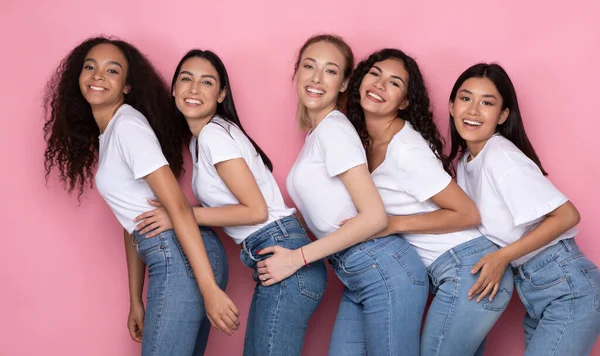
107	104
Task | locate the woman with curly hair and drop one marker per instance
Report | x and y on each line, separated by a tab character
523	212
232	179
329	183
389	107
107	106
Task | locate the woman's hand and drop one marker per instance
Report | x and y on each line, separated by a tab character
221	311
156	220
491	269
280	266
135	321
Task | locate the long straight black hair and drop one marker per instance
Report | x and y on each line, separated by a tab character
226	109
512	129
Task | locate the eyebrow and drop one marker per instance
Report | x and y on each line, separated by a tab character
109	62
328	63
393	76
485	95
202	76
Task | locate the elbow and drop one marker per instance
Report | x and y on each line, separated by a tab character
574	216
261	215
380	221
473	219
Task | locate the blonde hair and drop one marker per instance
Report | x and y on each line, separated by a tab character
344	48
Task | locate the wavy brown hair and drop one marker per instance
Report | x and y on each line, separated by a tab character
70	131
418	112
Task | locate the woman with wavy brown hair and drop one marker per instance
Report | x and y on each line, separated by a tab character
389	107
107	107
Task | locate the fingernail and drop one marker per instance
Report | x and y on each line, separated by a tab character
258	251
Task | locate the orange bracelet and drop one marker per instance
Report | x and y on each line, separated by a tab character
302	251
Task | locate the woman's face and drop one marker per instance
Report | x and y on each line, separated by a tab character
197	89
103	78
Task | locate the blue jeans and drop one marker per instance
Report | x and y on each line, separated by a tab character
175	322
455	325
279	313
560	289
384	297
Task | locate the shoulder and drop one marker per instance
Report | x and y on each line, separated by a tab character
128	117
501	156
336	123
408	142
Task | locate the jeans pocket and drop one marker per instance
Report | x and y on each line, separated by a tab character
312	280
593	276
547	276
357	263
148	246
502	297
413	265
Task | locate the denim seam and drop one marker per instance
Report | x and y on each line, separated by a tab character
161	305
595	291
412	278
448	316
387	288
274	321
562	332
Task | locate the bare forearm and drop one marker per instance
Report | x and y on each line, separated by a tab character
547	231
136	270
356	230
229	215
441	221
191	241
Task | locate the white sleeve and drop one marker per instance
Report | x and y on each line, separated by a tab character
524	189
139	146
340	146
217	145
420	173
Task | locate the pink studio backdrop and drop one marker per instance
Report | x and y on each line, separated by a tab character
63	271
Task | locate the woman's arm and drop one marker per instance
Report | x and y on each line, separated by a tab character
457	212
251	209
220	310
136	270
493	264
370	219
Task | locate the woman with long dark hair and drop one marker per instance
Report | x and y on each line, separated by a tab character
232	179
389	106
524	214
107	106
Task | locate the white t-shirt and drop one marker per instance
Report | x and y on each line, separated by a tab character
332	148
510	191
221	141
129	151
407	179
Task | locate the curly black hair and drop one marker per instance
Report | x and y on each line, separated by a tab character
418	111
70	130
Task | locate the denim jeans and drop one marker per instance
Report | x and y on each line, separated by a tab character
385	292
175	322
455	325
279	313
560	289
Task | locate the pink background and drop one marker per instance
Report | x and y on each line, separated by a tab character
63	271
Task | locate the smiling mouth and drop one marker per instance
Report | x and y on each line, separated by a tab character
95	88
375	96
193	101
315	91
472	123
